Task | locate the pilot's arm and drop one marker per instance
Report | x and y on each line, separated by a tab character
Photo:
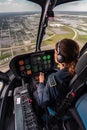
41	77
42	91
48	92
56	86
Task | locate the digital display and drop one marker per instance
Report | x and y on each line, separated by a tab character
41	63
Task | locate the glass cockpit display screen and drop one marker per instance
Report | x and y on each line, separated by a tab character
32	63
41	62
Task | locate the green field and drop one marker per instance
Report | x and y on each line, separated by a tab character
70	34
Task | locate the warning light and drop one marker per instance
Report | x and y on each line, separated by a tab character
21	62
30	100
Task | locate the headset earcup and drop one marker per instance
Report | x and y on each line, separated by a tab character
60	58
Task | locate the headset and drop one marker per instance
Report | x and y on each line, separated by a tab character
61	58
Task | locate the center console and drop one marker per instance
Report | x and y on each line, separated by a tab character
25	118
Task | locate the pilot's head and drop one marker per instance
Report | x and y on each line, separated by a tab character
66	52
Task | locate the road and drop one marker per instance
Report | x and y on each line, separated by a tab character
75	34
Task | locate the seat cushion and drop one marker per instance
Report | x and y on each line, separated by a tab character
81	107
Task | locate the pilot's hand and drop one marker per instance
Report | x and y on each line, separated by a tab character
41	77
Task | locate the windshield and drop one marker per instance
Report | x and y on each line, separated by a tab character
19	27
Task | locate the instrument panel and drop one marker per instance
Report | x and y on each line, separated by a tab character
32	63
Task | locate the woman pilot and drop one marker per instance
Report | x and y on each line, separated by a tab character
56	87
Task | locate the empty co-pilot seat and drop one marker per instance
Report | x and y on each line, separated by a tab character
81	107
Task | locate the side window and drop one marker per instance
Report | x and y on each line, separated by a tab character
70	21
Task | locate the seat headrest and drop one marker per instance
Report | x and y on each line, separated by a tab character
82	63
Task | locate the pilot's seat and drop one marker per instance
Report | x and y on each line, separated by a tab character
75	101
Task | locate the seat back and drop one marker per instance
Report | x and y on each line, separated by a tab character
81	72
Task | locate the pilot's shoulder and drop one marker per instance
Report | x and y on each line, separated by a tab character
53	79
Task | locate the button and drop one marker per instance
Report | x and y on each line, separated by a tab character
22	68
48	56
49	61
30	100
28	66
38	58
35	69
23	73
44	57
21	62
28	72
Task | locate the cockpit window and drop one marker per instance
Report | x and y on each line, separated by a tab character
19	21
70	21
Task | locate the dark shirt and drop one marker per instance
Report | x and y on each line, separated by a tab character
55	88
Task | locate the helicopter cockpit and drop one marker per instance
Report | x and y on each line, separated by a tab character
18	108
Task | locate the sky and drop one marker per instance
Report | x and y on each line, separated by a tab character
17	6
73	6
24	5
